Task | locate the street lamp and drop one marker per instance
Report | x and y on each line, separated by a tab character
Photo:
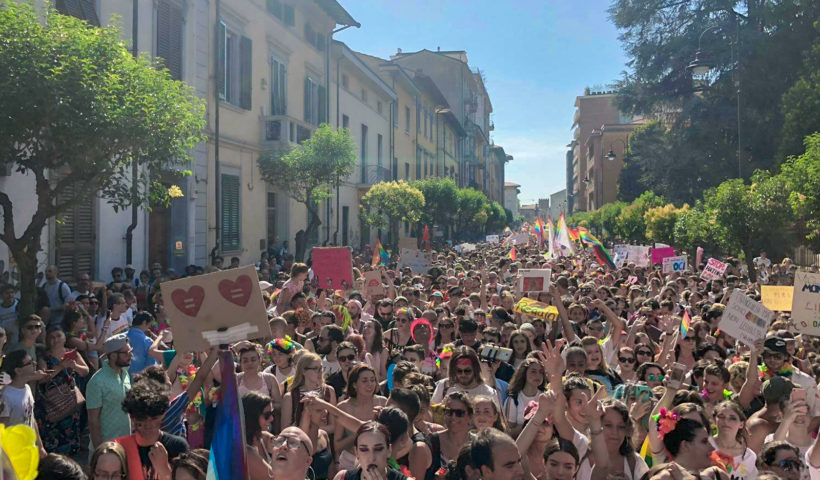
611	156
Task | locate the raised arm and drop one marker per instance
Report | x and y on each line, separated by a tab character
569	333
752	383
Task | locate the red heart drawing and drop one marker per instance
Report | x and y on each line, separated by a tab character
238	292
190	301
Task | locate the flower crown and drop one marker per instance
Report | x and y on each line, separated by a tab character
284	345
666	420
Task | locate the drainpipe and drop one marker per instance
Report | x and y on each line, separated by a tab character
217	202
129	233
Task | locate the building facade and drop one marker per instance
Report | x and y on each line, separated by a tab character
511	191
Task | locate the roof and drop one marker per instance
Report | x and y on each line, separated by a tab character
357	61
337	12
533	206
511	184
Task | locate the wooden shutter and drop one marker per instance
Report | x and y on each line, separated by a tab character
275	8
245	72
322	94
278	85
75	238
230	213
169	37
221	58
308	85
290	15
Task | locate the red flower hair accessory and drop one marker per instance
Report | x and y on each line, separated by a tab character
666	420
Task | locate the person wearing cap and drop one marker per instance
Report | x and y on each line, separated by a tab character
776	359
106	390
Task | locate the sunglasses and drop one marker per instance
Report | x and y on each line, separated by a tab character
292	443
791	464
653	378
457	412
446	325
267	415
595	329
346	358
643	352
626	359
34	327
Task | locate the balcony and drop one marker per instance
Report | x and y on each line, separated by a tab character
373	174
281	131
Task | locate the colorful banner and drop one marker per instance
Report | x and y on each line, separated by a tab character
714	269
777	297
674	264
658	254
533	280
745	319
492	239
806	303
417	260
533	308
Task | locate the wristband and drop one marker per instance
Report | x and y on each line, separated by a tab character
596	432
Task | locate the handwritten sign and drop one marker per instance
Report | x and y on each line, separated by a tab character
528	306
521	238
626	254
217	308
408	242
745	319
714	269
333	267
777	297
674	264
533	280
373	286
806	303
492	239
658	254
417	260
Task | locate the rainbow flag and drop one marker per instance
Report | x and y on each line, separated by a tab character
380	255
563	244
646	453
598	248
227	460
506	230
513	255
574	233
685	323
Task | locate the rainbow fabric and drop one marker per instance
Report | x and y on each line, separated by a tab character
513	255
646	453
507	230
574	234
685	324
563	242
227	459
598	248
380	255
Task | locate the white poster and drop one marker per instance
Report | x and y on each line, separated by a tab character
533	280
714	269
637	254
417	260
518	239
674	264
806	303
745	319
492	239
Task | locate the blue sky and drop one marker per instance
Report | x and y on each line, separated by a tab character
537	57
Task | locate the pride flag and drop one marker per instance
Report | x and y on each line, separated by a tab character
513	255
562	239
685	323
550	238
506	230
380	255
227	460
598	248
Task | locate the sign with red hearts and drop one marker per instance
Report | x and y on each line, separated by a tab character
223	307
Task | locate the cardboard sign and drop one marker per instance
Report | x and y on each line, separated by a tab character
806	302
714	269
626	254
674	264
745	319
533	280
333	267
214	309
777	297
528	306
521	238
492	239
373	285
408	242
658	254
417	260
465	247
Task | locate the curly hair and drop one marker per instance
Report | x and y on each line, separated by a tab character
147	398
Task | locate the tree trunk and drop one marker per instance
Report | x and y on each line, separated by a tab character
750	264
312	226
26	259
394	236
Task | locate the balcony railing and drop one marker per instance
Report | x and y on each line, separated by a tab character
283	130
373	174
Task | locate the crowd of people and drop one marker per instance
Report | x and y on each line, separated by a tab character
438	377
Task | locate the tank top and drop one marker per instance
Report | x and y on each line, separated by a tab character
357	474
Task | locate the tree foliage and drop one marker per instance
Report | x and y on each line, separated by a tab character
78	111
802	178
308	171
496	218
472	213
660	222
630	223
387	204
440	195
801	106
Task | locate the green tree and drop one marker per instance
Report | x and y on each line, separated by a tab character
496	218
801	107
698	227
309	170
440	194
387	204
755	216
802	177
609	219
78	112
660	222
630	224
472	215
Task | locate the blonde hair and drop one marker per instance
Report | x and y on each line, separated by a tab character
108	447
305	360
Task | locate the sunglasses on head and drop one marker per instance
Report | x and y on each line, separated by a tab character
446	325
457	412
790	464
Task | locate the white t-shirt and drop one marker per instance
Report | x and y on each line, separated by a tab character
585	471
814	472
744	463
18	405
515	411
442	391
329	368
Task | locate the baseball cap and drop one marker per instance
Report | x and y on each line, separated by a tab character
115	342
776	344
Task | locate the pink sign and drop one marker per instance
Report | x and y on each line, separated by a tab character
658	254
333	267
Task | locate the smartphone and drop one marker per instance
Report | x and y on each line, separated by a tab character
491	353
70	354
643	392
676	374
799	394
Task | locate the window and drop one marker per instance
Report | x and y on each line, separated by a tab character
394	113
290	15
345	121
345	82
316	39
407	119
425	123
230	213
379	107
363	153
418	119
418	163
169	37
234	68
395	168
379	150
345	224
425	164
407	170
278	87
275	8
315	96
364	95
82	9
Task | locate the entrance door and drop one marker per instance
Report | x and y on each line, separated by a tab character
158	241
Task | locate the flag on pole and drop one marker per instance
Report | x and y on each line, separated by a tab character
425	238
598	248
685	324
513	255
227	459
550	238
563	243
380	255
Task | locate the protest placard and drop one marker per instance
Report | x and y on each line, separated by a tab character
215	309
777	297
698	258
416	259
806	303
333	267
626	254
528	306
533	280
465	247
520	238
492	239
714	269
745	319
373	286
408	242
674	264
658	254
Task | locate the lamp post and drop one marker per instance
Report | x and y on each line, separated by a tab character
701	65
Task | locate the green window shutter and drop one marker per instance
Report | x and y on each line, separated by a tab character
308	116
245	72
231	192
322	94
221	58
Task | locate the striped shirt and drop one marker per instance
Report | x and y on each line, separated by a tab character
173	421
